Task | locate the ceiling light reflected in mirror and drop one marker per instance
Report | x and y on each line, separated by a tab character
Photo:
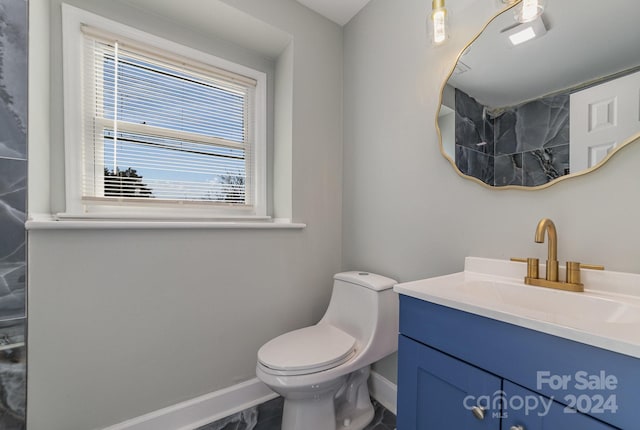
521	33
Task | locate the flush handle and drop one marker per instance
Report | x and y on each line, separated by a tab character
478	412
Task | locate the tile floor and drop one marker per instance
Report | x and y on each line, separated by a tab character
268	416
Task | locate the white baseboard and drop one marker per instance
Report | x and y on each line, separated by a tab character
211	407
384	391
202	410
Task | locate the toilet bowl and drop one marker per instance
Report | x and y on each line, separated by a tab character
321	371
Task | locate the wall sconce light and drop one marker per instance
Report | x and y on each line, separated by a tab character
438	23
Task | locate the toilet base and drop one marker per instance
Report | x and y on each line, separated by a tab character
344	405
359	420
310	415
354	408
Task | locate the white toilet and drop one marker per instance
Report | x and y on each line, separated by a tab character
322	370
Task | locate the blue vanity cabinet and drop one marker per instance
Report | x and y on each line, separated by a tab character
526	410
450	360
440	392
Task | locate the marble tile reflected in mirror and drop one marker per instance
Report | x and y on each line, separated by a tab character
527	145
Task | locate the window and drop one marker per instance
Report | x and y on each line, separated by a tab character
159	129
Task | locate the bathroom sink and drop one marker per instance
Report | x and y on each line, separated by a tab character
606	314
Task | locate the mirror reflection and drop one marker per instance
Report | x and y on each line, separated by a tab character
526	111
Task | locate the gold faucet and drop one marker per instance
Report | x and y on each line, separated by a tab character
572	282
546	225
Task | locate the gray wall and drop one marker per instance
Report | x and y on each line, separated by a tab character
124	322
406	213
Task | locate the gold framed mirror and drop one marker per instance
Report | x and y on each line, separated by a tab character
522	111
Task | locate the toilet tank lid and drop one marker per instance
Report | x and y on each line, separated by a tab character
366	279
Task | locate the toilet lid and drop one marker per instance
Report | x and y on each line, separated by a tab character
314	348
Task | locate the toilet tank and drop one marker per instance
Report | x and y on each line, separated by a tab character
365	306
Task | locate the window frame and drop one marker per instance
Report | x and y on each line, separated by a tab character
73	59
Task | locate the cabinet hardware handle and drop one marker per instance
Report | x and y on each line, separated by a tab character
516	428
478	412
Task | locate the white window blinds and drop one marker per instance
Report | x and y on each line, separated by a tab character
163	129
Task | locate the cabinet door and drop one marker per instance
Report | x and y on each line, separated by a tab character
439	392
526	410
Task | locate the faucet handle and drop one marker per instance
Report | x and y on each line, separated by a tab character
533	265
573	270
591	266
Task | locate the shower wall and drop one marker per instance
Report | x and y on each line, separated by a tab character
13	197
524	145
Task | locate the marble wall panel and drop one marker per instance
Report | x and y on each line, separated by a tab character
542	123
544	165
473	128
12	375
13	82
13	192
476	164
506	140
525	145
508	170
12	290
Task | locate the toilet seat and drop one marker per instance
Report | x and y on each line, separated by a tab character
307	350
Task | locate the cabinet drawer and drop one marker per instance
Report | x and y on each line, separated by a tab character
526	410
438	392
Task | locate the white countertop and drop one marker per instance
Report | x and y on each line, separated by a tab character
605	315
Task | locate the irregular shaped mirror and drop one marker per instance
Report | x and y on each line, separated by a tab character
528	104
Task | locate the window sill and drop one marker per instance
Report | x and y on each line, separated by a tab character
50	223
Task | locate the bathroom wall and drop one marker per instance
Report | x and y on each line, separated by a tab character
13	198
521	145
407	214
125	322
